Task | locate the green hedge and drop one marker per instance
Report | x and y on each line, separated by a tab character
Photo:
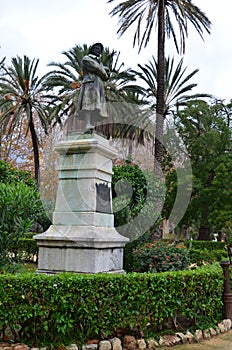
209	245
68	307
200	257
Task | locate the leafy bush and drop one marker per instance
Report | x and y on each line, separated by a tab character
20	209
8	174
160	256
124	175
135	195
208	245
202	257
206	252
76	307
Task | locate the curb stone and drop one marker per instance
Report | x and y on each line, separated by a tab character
130	343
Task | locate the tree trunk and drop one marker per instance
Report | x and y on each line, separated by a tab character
35	151
160	86
204	233
130	150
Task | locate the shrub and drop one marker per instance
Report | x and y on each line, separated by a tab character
8	174
160	256
208	245
76	307
127	207
135	195
20	209
202	257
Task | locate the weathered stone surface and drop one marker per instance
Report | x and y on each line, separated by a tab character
182	337
141	344
20	347
169	340
221	327
129	342
72	347
206	333
116	343
190	337
104	345
213	332
89	347
199	334
217	329
227	324
4	346
152	344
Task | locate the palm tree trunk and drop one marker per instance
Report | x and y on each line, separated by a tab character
35	151
160	86
130	150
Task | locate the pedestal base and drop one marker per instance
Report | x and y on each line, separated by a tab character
80	249
82	238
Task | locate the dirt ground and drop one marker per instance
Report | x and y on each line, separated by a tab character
219	342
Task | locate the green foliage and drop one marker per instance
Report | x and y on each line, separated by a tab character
8	174
25	249
20	209
206	134
202	257
124	175
69	307
221	211
22	97
160	256
208	245
206	252
135	197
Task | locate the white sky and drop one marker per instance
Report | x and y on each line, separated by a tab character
43	29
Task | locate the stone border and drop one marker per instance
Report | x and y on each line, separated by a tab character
131	343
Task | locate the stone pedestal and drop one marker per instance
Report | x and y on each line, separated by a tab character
82	237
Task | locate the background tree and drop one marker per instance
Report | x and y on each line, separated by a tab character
168	14
207	139
177	84
21	212
22	100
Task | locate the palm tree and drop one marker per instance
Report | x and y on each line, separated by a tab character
145	13
67	79
176	84
22	96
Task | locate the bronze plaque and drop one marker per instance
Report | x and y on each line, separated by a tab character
103	198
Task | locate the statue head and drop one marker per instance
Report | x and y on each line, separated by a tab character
96	49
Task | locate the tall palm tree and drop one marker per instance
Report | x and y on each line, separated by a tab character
165	12
22	96
177	84
67	79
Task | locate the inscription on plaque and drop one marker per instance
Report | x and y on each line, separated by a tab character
103	198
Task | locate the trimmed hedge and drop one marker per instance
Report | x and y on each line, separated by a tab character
209	245
201	252
201	257
68	307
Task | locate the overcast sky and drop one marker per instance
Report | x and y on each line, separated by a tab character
43	29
